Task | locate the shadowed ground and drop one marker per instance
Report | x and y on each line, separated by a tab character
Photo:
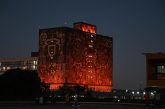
82	106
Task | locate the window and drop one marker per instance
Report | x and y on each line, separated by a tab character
34	62
4	68
8	68
161	69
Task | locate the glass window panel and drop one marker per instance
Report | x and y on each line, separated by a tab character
161	69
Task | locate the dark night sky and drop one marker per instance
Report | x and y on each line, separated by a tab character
137	26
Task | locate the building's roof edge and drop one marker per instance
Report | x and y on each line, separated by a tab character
17	59
68	28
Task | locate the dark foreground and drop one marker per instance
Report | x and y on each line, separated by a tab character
82	106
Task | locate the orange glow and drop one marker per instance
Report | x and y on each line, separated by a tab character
88	28
83	59
85	27
101	88
55	86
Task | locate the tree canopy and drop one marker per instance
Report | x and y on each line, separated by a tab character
19	84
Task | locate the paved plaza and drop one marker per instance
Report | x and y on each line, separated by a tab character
82	106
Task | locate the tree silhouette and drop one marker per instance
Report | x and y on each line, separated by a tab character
19	84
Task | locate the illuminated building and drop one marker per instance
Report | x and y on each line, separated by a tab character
75	56
24	63
155	67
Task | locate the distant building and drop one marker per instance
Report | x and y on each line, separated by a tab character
76	56
155	67
24	63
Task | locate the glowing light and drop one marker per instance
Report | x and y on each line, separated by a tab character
133	92
90	46
101	88
25	67
55	86
33	67
144	93
35	62
152	93
85	27
88	28
4	68
8	68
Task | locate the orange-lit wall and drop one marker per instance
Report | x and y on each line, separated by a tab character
75	57
51	57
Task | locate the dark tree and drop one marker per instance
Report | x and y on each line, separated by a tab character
79	89
19	84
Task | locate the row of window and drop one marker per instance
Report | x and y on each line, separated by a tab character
161	69
5	68
19	63
32	65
